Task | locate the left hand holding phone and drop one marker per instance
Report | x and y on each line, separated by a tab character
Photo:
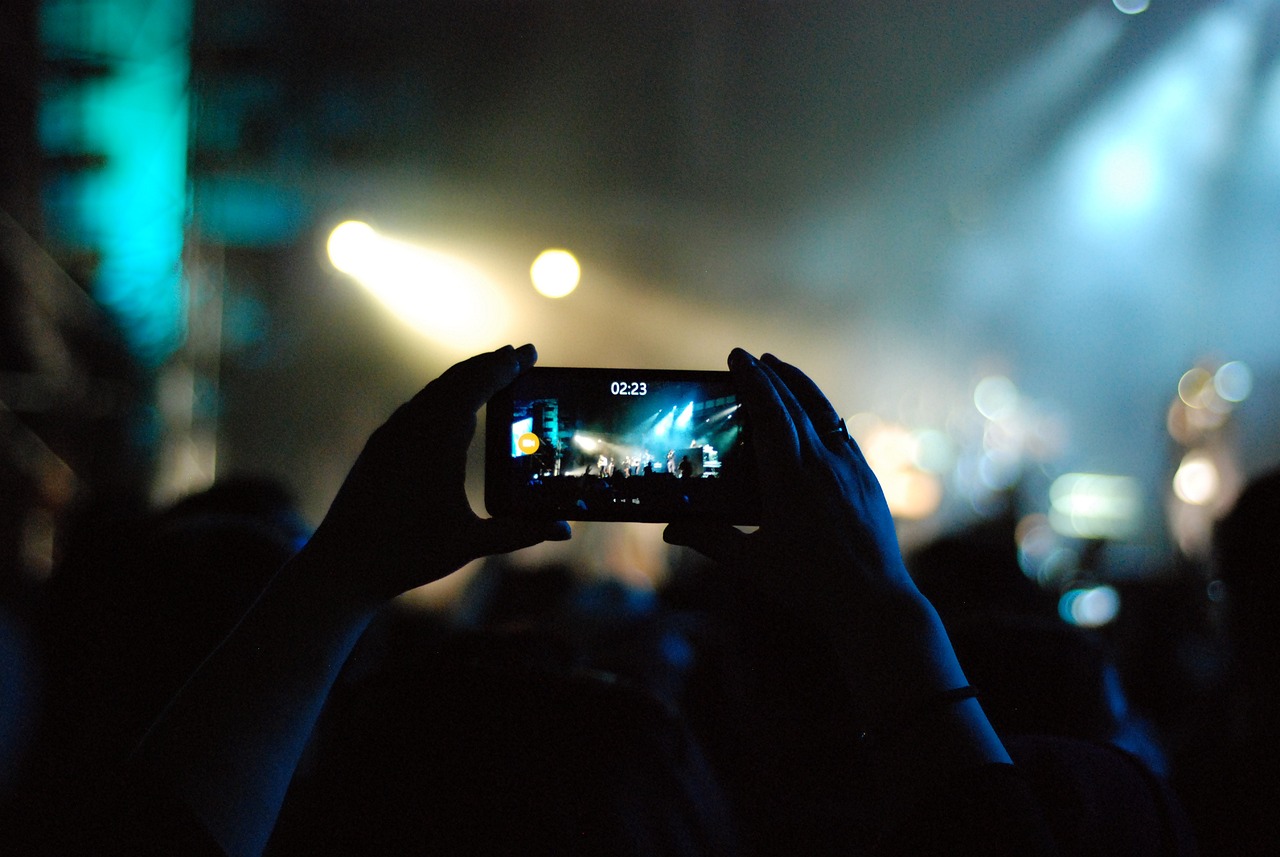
402	518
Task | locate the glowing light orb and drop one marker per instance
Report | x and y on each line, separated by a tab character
996	397
439	296
1197	481
1090	608
1233	381
555	273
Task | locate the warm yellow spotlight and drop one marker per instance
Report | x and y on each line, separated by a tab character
555	273
439	296
350	244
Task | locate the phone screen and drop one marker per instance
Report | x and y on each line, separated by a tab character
620	445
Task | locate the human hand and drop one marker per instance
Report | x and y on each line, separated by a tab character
401	518
827	546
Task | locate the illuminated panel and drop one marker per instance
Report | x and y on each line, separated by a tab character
131	119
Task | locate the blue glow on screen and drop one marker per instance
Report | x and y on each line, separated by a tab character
518	428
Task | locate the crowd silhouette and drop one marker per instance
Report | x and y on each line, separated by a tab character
216	679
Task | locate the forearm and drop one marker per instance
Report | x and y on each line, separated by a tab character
915	734
229	742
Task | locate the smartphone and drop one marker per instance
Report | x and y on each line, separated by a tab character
620	445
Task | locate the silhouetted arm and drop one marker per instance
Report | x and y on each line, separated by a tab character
827	548
228	744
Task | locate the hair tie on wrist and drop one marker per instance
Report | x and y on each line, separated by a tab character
926	707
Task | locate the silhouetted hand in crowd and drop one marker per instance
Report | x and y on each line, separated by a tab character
227	746
827	546
401	518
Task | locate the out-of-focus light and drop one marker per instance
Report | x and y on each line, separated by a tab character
589	444
999	472
1126	179
894	453
1233	381
1090	608
437	295
934	451
1197	481
1094	506
996	397
350	244
555	273
889	447
1132	7
1192	386
911	495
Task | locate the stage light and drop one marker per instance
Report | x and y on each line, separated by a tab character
588	444
350	244
934	451
1090	608
664	424
1197	481
1138	164
1132	7
1192	386
439	296
555	273
686	415
996	398
1095	506
1233	381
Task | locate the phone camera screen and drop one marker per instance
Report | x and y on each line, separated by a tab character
596	444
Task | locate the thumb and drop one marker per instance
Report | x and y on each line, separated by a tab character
503	535
723	543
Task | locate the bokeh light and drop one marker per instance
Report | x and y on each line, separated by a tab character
1091	607
1233	381
1132	7
996	397
1095	506
1197	480
555	273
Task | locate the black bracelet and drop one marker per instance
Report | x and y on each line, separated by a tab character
873	735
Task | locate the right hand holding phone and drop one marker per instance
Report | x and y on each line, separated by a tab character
827	546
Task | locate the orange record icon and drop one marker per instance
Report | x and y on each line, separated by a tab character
528	443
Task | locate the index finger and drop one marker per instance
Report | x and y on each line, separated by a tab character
474	381
775	439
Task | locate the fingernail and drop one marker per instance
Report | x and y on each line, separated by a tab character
739	357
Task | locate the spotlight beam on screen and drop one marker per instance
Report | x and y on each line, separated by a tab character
439	296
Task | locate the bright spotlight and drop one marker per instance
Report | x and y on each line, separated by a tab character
1197	481
437	295
1126	179
687	414
589	444
664	424
555	273
351	243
